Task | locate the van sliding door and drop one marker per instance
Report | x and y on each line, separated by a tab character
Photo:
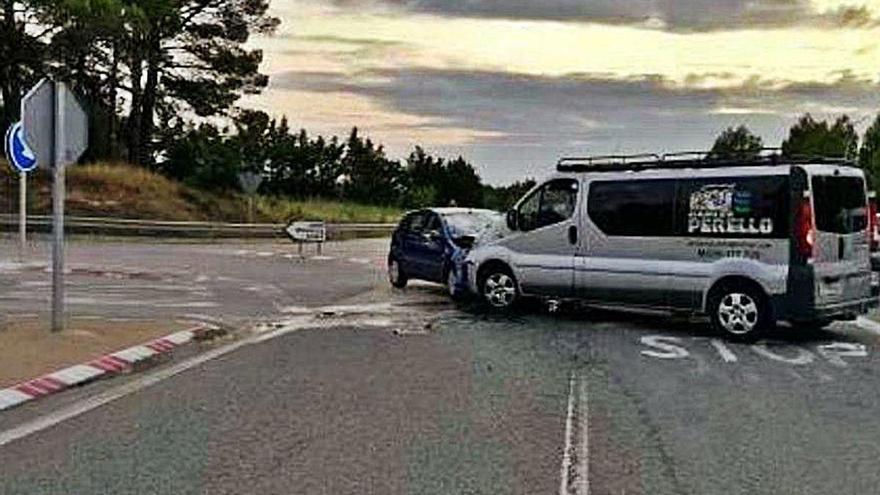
628	232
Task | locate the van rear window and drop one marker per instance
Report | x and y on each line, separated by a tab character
840	204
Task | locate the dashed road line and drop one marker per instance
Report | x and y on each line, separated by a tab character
576	419
565	472
582	483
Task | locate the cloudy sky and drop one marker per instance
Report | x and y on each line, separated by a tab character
514	84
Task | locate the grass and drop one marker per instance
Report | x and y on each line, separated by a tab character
126	191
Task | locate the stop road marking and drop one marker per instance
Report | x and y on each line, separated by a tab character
667	347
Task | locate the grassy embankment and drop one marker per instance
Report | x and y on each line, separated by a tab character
124	191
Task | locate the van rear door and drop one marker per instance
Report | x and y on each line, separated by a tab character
841	257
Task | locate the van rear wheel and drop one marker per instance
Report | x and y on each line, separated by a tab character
739	312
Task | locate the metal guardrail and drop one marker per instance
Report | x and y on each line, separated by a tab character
164	228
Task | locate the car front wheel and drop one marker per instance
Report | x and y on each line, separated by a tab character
396	275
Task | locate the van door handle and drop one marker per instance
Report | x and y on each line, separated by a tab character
573	235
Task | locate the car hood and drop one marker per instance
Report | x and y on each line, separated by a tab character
489	233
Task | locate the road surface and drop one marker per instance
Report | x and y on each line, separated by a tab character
337	384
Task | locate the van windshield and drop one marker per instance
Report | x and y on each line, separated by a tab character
840	204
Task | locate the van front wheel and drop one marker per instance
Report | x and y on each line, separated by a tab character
498	288
740	312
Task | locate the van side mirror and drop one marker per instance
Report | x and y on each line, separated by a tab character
512	219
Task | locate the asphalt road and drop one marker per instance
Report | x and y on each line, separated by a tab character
238	283
355	388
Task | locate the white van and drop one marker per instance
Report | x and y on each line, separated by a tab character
746	242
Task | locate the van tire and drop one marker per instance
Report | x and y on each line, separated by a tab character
396	275
739	311
498	288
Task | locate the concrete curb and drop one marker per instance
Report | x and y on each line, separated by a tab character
112	364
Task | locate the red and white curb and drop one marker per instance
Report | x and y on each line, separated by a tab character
111	364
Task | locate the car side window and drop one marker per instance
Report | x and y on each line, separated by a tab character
433	223
414	222
554	202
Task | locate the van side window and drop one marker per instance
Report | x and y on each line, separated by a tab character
734	207
633	207
554	202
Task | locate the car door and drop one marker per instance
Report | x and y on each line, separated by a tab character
543	254
411	240
430	251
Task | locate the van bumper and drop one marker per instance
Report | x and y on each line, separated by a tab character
848	310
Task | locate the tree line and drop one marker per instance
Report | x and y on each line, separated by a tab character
297	164
810	137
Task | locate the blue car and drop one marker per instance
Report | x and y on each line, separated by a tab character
430	244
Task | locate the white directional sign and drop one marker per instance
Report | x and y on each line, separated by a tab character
307	231
58	143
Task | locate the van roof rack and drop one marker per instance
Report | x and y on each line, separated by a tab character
689	159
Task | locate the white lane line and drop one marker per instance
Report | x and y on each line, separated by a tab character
868	324
564	474
582	483
44	422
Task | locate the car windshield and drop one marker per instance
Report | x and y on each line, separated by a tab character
472	223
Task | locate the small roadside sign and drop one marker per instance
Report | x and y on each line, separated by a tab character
23	159
19	154
307	231
250	182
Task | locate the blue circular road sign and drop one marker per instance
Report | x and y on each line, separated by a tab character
18	152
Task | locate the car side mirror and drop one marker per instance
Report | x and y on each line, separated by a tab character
433	235
512	219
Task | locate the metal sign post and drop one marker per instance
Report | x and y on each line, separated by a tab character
22	216
57	127
22	160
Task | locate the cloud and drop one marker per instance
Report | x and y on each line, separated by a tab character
517	121
674	15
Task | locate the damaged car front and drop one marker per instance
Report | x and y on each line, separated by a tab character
470	230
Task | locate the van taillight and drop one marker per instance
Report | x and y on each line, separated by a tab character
804	229
873	227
